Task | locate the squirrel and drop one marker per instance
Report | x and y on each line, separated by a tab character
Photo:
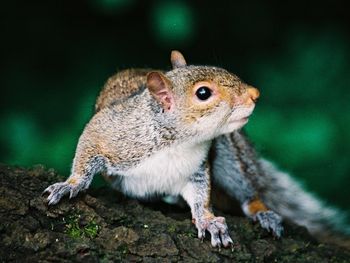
178	134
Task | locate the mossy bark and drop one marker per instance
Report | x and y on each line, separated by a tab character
103	226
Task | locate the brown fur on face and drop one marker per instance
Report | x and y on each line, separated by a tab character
227	89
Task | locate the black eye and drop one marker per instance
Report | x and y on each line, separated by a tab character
203	93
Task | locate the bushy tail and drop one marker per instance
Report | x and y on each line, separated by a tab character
286	197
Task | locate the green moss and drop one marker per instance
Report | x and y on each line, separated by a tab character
75	229
91	229
172	229
191	234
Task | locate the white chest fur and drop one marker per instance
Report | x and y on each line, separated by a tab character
165	172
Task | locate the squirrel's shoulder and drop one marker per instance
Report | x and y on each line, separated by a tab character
121	85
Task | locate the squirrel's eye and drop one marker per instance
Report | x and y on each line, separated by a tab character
203	93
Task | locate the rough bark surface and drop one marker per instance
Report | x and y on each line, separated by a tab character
102	226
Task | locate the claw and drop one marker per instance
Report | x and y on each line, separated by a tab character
73	193
271	221
51	202
44	192
226	239
47	190
201	233
58	190
218	230
278	232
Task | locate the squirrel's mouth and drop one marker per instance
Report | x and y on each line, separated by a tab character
241	121
240	115
237	119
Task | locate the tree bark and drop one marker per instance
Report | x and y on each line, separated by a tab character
103	226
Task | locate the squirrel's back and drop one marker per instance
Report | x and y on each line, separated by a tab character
121	86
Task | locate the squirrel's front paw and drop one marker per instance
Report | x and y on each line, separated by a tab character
58	190
270	221
218	230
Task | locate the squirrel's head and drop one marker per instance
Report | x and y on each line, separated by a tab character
208	101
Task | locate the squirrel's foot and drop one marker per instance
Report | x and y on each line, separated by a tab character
218	230
270	221
58	190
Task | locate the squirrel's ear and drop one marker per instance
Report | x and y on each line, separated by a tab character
160	88
177	59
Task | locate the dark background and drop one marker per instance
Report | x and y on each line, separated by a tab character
56	55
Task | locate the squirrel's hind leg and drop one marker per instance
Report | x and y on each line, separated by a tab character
268	219
234	170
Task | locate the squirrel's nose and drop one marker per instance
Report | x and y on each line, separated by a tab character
253	93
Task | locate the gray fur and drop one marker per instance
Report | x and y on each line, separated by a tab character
227	170
285	196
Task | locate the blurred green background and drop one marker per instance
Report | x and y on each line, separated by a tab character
56	55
